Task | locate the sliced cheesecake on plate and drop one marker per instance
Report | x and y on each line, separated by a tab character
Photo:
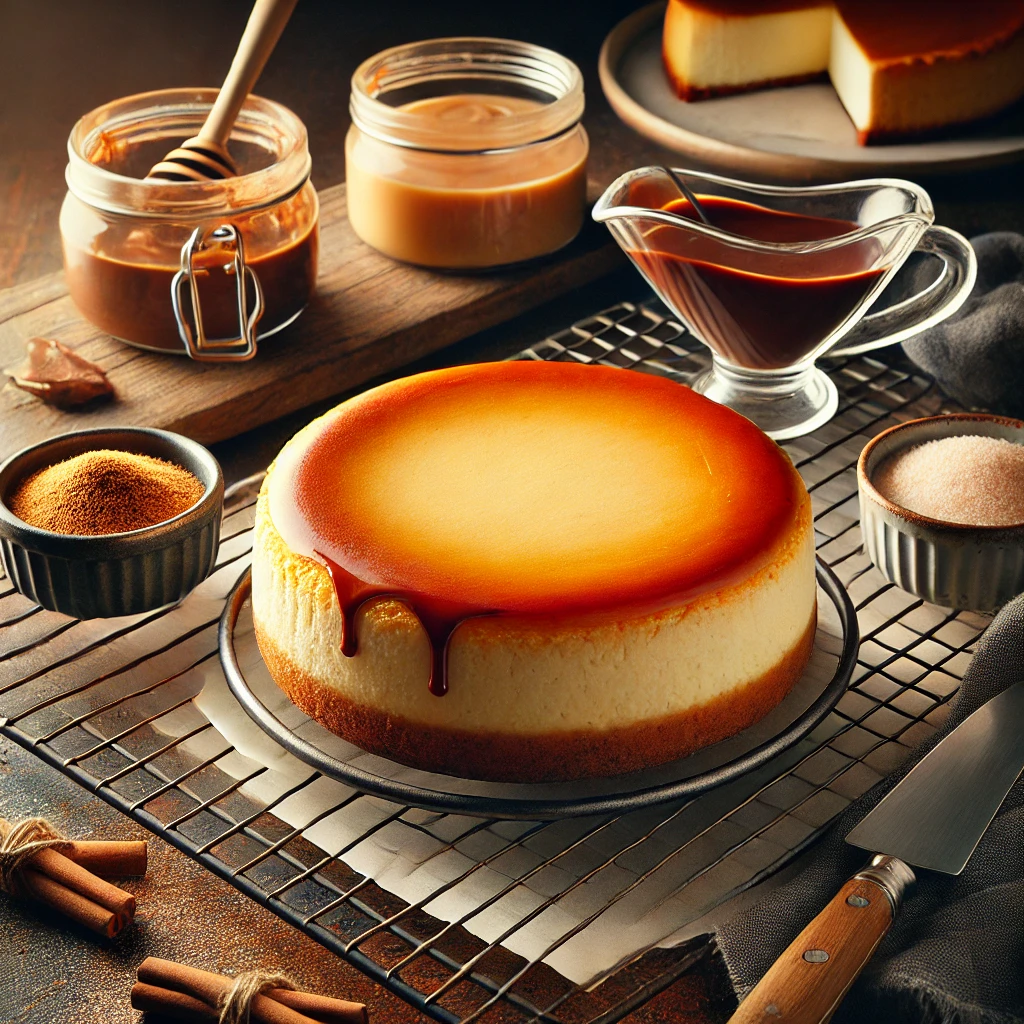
900	67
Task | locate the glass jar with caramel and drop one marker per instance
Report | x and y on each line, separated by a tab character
185	267
466	153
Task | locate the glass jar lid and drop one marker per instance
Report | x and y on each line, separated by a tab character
101	144
386	83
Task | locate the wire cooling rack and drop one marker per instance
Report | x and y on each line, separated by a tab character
117	705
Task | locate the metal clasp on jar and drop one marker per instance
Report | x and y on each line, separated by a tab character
197	344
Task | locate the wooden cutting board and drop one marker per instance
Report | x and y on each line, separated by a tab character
370	315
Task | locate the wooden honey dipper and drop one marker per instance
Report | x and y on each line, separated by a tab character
205	157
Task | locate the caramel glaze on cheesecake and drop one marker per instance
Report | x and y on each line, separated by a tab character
901	68
532	571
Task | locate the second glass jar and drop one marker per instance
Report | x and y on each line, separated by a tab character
466	153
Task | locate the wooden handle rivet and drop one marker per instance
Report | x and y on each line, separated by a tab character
815	956
858	901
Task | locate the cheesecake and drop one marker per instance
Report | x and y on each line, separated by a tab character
716	48
900	67
530	571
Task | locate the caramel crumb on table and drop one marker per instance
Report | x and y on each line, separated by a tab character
59	376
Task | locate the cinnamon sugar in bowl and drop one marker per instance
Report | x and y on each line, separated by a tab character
942	508
110	521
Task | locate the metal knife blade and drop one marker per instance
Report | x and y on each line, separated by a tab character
935	817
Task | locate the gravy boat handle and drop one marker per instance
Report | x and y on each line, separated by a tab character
930	306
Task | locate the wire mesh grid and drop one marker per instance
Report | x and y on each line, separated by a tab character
116	705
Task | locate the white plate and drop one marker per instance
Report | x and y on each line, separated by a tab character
801	132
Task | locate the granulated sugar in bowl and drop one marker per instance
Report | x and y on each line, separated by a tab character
969	479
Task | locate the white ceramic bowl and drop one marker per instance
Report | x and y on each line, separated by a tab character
951	564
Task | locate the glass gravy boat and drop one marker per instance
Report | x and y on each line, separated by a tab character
781	275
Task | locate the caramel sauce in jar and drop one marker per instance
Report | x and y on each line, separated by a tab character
466	169
123	237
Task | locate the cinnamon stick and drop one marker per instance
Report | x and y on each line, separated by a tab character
211	989
109	858
76	878
272	1008
39	870
321	1008
71	903
169	1003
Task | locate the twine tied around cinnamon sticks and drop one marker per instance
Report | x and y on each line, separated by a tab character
19	844
68	875
247	985
189	994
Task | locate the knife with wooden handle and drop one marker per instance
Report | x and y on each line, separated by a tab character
932	820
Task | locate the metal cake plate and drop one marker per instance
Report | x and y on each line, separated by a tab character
824	681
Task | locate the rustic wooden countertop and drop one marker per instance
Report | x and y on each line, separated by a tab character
60	59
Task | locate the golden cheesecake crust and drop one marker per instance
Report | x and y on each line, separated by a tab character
541	757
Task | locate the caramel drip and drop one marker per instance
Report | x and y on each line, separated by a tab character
439	619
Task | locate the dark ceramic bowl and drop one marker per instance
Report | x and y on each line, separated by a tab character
116	573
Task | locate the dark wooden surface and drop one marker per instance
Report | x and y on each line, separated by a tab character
59	59
369	315
53	972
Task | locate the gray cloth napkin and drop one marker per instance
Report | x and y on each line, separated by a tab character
977	355
956	950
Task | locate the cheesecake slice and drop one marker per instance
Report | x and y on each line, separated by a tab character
716	48
900	67
906	67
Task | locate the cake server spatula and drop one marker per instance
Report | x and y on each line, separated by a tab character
933	820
